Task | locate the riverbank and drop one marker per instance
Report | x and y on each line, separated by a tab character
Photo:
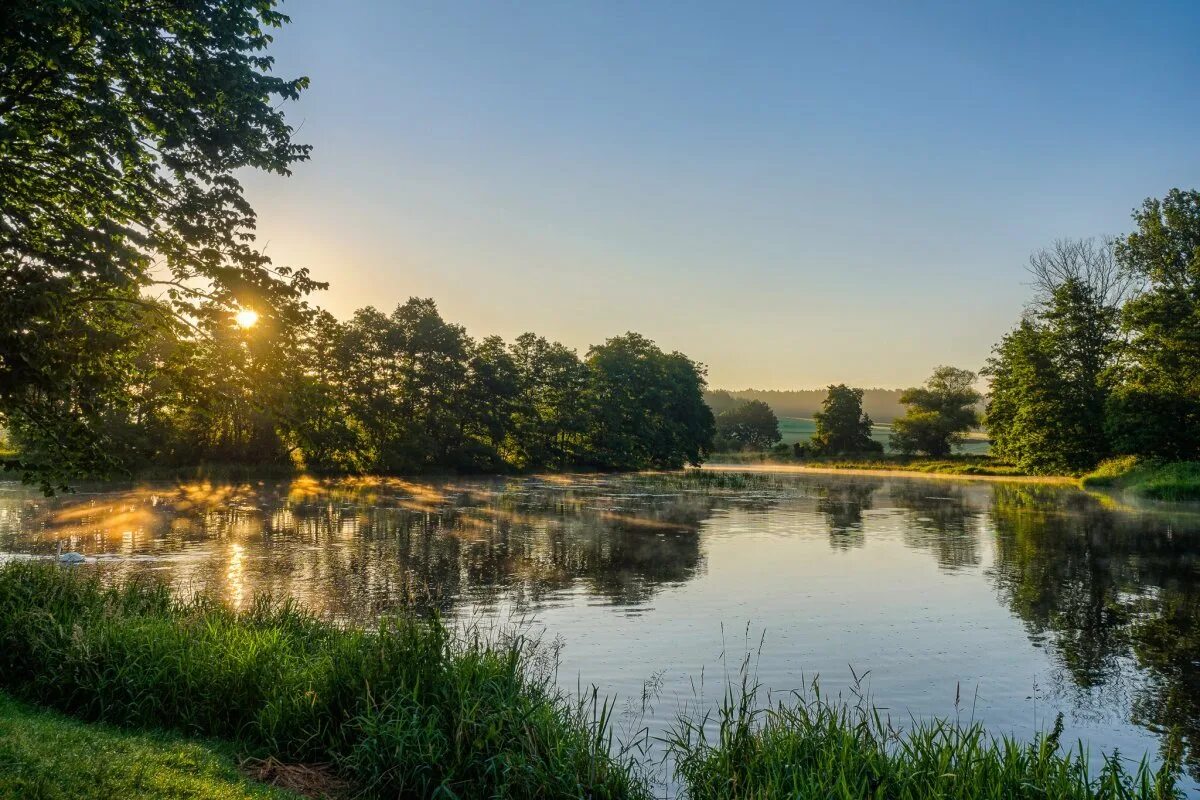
46	755
1177	481
411	709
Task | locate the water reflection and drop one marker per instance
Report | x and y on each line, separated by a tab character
1117	596
1110	595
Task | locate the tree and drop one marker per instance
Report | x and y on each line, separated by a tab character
548	417
646	408
123	127
1051	378
749	425
938	413
1157	409
842	427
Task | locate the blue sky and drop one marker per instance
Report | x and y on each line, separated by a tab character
794	194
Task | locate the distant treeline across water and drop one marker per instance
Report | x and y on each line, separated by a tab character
881	405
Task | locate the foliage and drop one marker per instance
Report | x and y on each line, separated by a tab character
646	407
938	414
407	709
842	427
749	425
123	127
1052	377
1161	389
405	392
44	755
811	747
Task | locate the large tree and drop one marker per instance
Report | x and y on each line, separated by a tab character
646	408
749	425
1052	377
842	426
1157	409
123	127
938	414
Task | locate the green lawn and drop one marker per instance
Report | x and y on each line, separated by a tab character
45	756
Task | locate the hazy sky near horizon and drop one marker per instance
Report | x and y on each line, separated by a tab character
792	193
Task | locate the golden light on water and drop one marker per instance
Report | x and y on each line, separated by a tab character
245	318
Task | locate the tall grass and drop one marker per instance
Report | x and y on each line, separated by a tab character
811	748
406	709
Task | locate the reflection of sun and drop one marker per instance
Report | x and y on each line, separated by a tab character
245	318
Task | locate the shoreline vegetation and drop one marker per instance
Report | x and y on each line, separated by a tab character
411	708
1165	481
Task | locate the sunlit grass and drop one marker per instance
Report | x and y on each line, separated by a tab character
1172	481
44	755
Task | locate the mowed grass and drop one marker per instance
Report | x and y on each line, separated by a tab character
810	749
45	756
407	709
1174	481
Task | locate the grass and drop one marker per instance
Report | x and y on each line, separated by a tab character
1173	481
44	756
406	709
809	748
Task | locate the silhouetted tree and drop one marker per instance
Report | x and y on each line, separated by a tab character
842	427
125	126
749	425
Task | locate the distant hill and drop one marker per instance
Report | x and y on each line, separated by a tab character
882	405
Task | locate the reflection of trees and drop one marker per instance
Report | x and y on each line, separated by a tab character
843	505
939	520
1108	589
356	547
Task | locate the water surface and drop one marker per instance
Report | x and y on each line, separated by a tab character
1007	603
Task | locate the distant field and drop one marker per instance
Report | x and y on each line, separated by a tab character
799	429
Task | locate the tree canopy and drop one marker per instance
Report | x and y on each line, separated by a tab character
123	127
1107	357
842	426
1156	410
749	425
938	414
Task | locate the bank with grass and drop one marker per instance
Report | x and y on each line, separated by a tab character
1173	481
48	756
410	708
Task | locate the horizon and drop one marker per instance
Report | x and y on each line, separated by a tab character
726	182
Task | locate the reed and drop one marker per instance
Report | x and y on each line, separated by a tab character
812	748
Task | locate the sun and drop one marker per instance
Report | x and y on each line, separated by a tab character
246	318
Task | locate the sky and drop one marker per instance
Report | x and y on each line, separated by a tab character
794	194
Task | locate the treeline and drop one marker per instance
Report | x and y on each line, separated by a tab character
404	392
1106	359
883	405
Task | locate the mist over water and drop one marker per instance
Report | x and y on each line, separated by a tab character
1007	603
